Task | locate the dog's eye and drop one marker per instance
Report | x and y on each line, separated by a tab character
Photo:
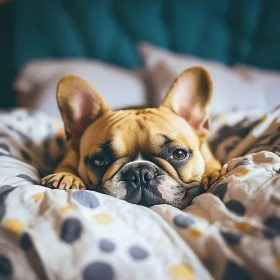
179	154
99	161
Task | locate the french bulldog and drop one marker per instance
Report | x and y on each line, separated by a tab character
145	156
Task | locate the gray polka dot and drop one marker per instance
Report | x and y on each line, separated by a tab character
106	246
6	268
219	190
4	147
233	271
3	196
31	113
25	155
86	199
231	238
138	253
98	271
71	230
25	242
183	221
2	134
236	207
272	227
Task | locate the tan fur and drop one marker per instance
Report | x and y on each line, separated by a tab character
136	133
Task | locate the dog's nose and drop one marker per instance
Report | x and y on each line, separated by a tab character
140	175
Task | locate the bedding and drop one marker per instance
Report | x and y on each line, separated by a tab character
230	232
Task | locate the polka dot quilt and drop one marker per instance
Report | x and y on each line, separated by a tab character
230	232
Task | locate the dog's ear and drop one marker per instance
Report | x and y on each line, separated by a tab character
80	104
190	97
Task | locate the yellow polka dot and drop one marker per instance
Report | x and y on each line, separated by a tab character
60	133
102	218
223	119
243	172
243	226
55	123
38	196
194	232
13	225
182	272
277	263
66	208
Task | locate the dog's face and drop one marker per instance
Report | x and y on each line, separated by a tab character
144	156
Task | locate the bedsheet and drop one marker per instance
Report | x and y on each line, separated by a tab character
230	232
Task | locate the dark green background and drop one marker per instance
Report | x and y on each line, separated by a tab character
230	31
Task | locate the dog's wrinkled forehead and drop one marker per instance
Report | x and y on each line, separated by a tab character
135	131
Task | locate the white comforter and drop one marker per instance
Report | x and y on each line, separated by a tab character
231	232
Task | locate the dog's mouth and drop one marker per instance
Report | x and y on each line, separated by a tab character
155	193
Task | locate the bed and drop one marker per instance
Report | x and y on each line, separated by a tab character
230	232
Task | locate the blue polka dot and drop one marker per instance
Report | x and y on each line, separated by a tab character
231	238
6	268
233	272
244	161
86	198
5	188
98	271
219	190
25	242
183	221
272	227
138	253
106	246
236	207
4	147
71	230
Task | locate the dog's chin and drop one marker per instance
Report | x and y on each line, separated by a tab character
155	193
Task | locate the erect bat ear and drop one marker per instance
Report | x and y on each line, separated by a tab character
190	97
80	105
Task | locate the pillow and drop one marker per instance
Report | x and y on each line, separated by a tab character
231	89
269	79
37	81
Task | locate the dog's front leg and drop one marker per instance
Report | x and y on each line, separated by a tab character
65	176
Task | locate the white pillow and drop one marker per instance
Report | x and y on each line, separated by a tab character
232	90
36	83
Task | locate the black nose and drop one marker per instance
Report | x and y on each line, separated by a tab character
140	175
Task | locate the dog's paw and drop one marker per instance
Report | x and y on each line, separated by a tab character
209	179
63	181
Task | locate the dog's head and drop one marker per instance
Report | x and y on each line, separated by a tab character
145	156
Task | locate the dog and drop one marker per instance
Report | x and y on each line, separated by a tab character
145	156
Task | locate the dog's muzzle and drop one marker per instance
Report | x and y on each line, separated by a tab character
144	183
141	181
